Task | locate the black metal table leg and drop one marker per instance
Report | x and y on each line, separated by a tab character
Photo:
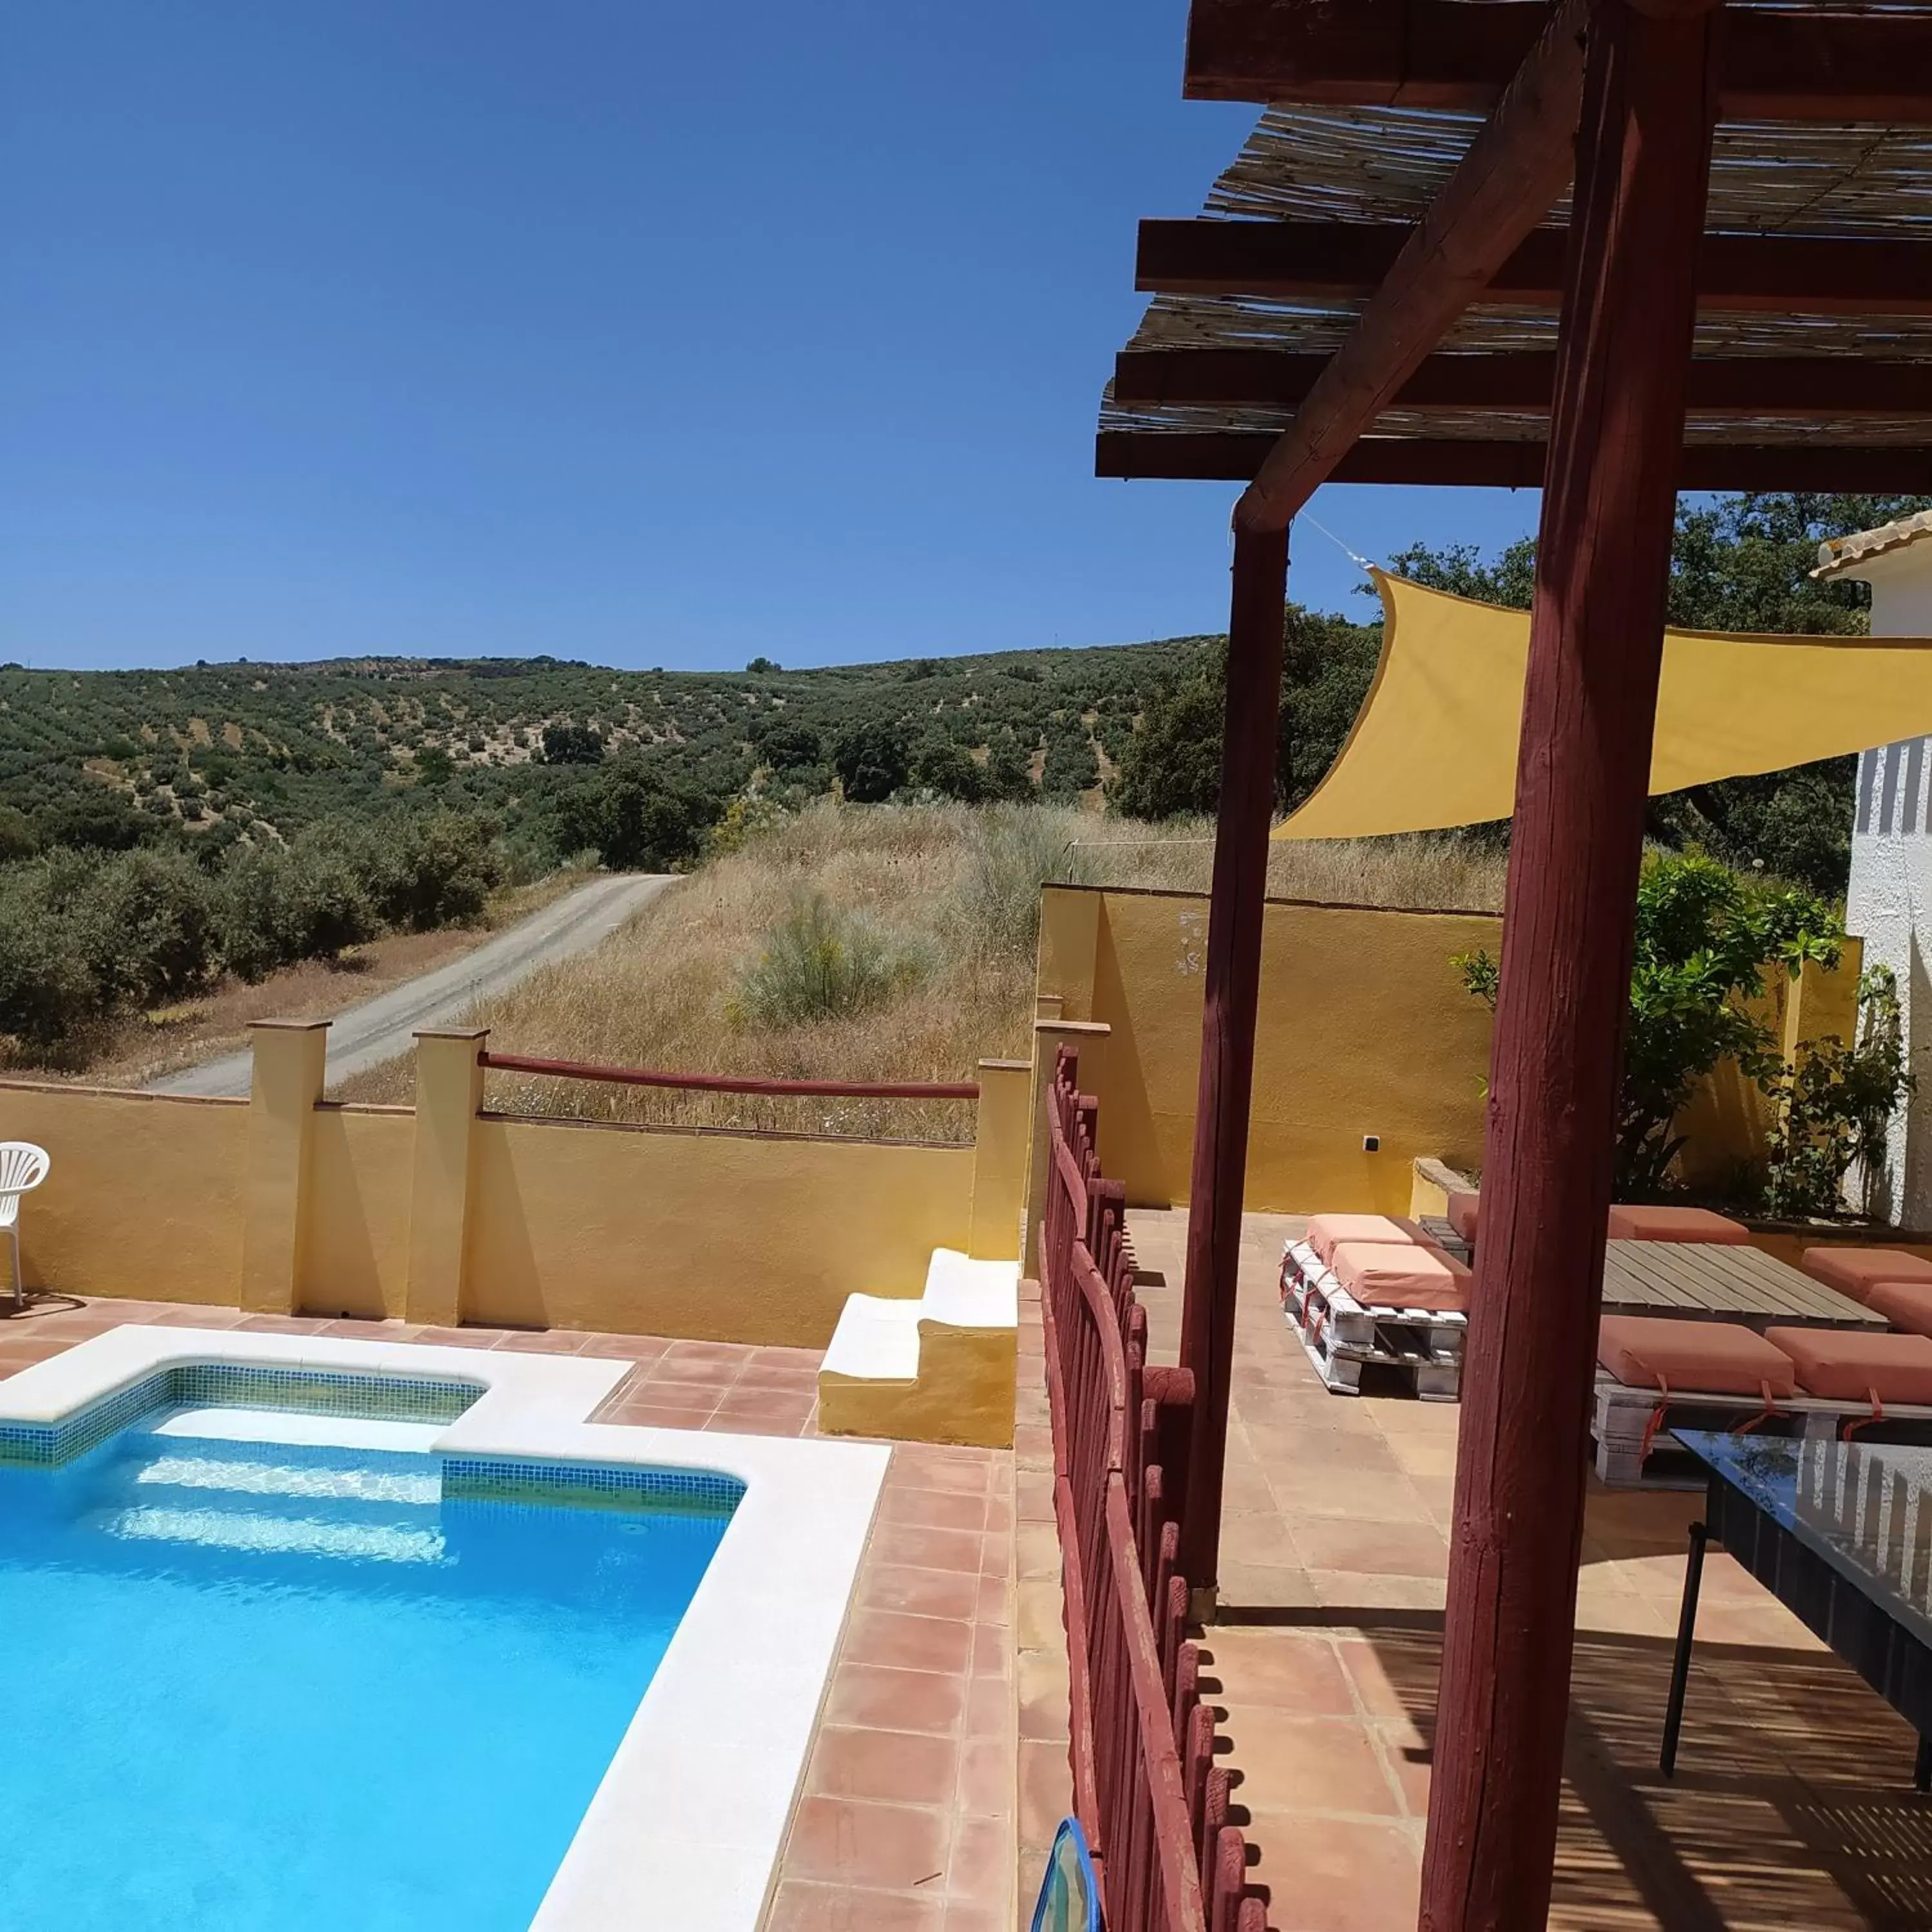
1680	1664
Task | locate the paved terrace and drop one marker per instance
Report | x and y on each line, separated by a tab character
905	1822
1793	1806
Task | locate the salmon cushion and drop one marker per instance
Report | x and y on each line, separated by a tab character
1327	1232
1462	1212
1857	1271
1391	1274
1851	1365
1676	1224
1699	1358
1905	1304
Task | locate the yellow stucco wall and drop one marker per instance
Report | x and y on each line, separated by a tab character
1365	1029
356	1248
721	1236
143	1198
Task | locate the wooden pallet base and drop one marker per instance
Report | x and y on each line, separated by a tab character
1342	1338
1620	1414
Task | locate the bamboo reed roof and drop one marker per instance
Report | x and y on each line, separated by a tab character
1386	165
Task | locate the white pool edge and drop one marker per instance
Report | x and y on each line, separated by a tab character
687	1825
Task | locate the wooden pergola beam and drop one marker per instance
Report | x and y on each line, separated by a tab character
1235	455
1785	64
1799	385
1520	160
1342	261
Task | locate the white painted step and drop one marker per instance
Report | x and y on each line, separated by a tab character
276	1535
314	1431
309	1482
963	1293
876	1340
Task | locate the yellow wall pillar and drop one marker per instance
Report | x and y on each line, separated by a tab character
449	1095
1069	952
290	1065
1000	1158
1089	1039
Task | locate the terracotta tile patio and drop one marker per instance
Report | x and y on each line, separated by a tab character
905	1817
1793	1806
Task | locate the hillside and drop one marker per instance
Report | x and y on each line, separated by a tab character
211	748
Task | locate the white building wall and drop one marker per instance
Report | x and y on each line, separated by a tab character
1889	901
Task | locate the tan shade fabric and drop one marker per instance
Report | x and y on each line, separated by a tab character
1435	745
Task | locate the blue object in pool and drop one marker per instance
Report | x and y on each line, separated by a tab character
1069	1900
249	1688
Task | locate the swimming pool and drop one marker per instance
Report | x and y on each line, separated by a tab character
267	1671
259	1685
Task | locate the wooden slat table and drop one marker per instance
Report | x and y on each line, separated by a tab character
1708	1281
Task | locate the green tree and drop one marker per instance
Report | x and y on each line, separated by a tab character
567	744
873	761
1705	937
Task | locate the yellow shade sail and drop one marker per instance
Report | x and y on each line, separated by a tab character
1435	743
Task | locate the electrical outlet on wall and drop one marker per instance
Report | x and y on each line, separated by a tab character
1372	1144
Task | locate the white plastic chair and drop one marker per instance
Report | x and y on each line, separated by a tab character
22	1166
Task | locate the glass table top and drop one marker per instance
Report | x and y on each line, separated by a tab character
1866	1508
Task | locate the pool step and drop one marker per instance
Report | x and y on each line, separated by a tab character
938	1368
263	1534
307	1483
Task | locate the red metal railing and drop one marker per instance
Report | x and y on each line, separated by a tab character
737	1083
1152	1801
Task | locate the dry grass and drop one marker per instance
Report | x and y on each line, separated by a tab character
661	993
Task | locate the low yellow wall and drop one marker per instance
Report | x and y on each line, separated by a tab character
286	1204
356	1247
716	1236
1365	1029
144	1196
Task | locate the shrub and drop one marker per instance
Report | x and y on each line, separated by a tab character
1834	1105
1705	938
1015	850
571	745
819	963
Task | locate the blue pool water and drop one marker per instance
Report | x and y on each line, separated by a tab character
247	1687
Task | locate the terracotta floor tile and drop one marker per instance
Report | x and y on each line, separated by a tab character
909	1642
987	1777
890	1767
989	1707
728	1354
1348	1877
648	1415
1292	1670
1376	1548
544	1341
625	1347
890	1847
1306	1764
1045	1784
666	1373
866	1694
924	1593
979	1866
916	1547
358	1328
283	1325
935	1509
701	1398
798	1907
460	1338
932	1466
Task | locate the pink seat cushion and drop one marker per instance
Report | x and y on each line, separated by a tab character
1905	1304
1327	1232
1697	1357
1853	1365
1857	1271
1462	1212
1392	1274
1676	1224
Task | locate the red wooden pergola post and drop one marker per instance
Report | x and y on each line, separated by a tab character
1234	970
1582	775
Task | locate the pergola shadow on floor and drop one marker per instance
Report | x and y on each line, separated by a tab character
1791	1807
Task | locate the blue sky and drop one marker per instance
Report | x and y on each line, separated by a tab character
652	335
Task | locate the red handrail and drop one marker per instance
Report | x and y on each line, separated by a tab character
736	1083
1146	1785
